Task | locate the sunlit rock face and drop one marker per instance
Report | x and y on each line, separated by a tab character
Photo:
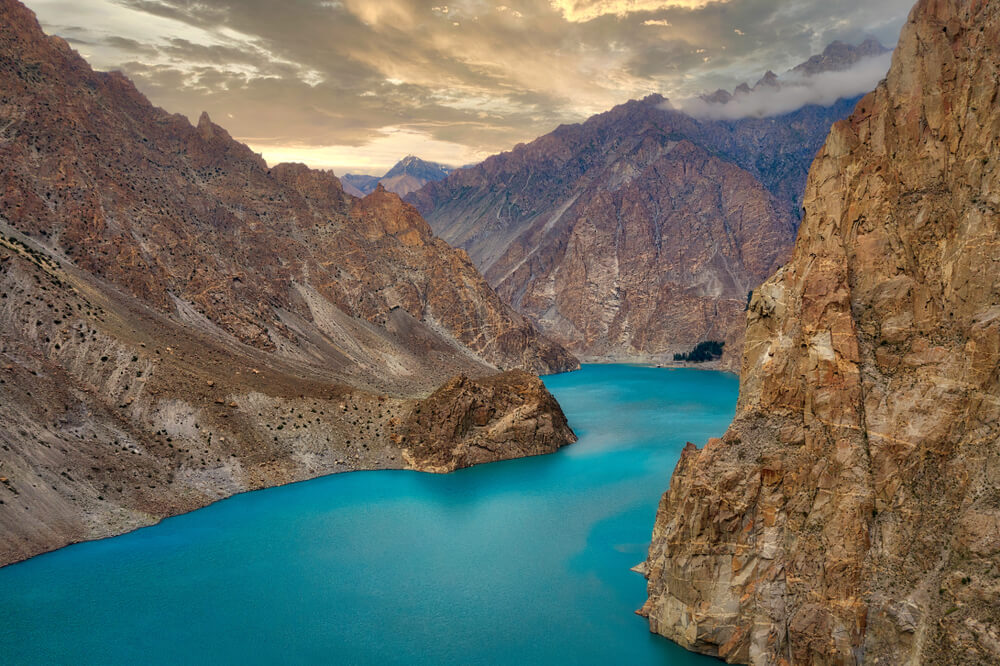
179	323
851	513
639	232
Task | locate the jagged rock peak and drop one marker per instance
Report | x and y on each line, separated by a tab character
837	56
205	126
770	79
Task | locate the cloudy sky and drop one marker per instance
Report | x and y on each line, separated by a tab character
355	85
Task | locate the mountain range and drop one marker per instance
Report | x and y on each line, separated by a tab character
409	174
639	233
180	322
836	57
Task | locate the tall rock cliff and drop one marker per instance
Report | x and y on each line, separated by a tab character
178	322
639	232
851	513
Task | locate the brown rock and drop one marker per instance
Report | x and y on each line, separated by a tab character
638	233
317	318
848	514
466	422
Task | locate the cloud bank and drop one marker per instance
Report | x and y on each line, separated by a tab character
794	92
588	10
358	84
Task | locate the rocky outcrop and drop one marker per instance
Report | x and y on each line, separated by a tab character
506	415
851	513
179	323
638	233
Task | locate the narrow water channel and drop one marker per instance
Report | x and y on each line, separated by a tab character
520	562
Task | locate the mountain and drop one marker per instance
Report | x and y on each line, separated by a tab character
839	57
851	513
836	57
181	322
409	174
358	185
638	233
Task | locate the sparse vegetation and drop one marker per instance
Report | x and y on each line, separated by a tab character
708	350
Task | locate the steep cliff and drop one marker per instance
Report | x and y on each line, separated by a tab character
178	322
640	232
851	513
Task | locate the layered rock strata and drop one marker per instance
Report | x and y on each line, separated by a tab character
851	513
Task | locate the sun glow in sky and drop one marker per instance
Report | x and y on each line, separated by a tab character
579	11
354	85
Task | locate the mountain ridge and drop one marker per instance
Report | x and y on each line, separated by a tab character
181	322
631	294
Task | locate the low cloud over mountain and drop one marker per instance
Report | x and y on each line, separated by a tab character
352	85
779	95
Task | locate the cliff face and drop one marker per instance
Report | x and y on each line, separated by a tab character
508	415
852	511
640	232
178	322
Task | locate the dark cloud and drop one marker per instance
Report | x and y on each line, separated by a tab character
452	80
127	45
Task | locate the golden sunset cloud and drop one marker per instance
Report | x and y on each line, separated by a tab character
579	11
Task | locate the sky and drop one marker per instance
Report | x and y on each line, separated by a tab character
355	85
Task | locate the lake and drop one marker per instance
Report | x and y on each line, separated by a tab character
519	562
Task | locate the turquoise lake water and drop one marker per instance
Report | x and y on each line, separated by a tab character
519	562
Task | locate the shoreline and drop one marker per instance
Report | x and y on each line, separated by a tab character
655	362
382	465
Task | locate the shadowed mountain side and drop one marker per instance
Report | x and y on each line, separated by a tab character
636	234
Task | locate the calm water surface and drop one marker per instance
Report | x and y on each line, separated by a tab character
520	562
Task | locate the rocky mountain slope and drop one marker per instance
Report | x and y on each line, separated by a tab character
178	322
839	57
851	513
638	233
408	175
